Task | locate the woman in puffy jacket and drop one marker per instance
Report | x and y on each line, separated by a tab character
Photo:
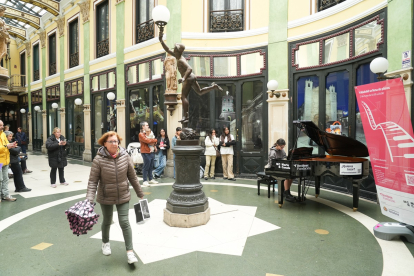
211	142
56	152
111	170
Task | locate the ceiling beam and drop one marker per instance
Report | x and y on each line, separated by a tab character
49	5
17	32
25	17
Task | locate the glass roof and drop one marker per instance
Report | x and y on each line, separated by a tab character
22	6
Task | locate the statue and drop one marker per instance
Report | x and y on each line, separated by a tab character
4	34
170	65
188	79
188	134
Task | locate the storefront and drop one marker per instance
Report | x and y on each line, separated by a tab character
24	106
324	71
53	112
37	120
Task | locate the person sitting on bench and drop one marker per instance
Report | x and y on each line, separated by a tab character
278	152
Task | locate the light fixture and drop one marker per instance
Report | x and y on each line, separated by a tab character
379	66
22	110
55	105
111	96
78	101
161	16
272	86
37	108
11	112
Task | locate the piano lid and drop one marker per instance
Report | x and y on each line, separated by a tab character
333	144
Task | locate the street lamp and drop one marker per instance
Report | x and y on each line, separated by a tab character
379	66
78	101
272	86
22	110
110	96
161	16
37	108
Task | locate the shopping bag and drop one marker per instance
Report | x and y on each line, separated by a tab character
82	217
142	210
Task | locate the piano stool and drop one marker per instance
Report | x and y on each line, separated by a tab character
265	179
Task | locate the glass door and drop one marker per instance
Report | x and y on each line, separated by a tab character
53	118
75	131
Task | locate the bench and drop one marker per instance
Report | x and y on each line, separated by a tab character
265	179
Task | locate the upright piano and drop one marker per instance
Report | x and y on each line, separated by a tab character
344	159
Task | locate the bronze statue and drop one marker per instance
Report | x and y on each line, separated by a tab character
188	134
188	79
4	34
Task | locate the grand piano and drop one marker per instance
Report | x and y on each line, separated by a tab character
344	159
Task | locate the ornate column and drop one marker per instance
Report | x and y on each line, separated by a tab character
44	131
30	145
278	108
87	153
62	121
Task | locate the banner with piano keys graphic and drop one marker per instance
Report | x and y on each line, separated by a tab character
389	134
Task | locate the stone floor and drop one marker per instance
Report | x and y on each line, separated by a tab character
247	234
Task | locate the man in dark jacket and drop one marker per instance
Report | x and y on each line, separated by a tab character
56	151
21	139
15	154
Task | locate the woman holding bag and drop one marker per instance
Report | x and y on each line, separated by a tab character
227	142
211	152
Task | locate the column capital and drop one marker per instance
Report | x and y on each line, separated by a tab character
84	8
28	45
60	21
42	35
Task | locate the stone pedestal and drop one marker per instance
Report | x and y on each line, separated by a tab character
87	153
187	198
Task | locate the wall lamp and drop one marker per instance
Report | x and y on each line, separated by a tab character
272	86
379	66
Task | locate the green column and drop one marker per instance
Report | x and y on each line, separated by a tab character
174	26
44	78
62	70
278	45
120	34
86	58
29	79
399	32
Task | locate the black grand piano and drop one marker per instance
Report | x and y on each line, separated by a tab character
344	160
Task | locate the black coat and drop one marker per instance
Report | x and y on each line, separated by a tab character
166	145
14	154
56	153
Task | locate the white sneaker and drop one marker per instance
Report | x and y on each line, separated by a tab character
53	185
145	184
64	183
106	249
131	258
152	181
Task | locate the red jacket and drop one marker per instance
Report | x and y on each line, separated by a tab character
144	142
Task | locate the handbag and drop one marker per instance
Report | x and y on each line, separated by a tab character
137	157
217	152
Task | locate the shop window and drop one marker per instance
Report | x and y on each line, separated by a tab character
143	72
252	121
225	66
103	81
52	54
102	29
74	87
144	22
337	48
53	93
200	65
226	15
307	55
73	43
132	74
157	68
337	102
138	111
225	102
158	116
36	71
251	63
367	38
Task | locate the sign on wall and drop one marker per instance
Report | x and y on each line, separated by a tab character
390	140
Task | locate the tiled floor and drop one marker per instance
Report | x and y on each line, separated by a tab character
247	234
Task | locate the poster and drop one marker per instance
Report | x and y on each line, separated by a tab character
390	140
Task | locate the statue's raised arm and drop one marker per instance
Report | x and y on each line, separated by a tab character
165	46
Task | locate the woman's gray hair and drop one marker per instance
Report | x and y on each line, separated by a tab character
8	133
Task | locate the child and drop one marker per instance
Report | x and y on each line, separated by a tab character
150	135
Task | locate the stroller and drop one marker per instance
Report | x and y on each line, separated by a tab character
134	150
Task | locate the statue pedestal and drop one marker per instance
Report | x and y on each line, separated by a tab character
4	78
187	205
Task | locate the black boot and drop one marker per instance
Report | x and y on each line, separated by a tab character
288	196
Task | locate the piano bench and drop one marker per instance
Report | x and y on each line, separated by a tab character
265	179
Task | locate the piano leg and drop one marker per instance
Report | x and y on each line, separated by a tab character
317	185
355	191
299	189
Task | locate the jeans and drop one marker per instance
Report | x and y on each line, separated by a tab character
123	210
53	175
148	166
210	164
162	161
24	147
17	176
4	181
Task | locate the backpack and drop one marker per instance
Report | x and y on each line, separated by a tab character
136	157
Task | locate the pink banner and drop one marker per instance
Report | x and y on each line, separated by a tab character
390	140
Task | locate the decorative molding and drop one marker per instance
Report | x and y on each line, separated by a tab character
280	94
112	66
36	82
231	48
144	44
323	14
44	112
137	58
28	45
225	35
42	35
60	21
119	1
84	8
86	107
70	70
102	59
340	24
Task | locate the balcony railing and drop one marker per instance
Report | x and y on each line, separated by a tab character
326	4
17	83
145	31
52	68
103	48
36	75
226	20
74	60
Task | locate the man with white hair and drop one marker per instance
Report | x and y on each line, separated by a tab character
5	161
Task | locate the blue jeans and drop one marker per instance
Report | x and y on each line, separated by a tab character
148	166
162	161
24	148
4	181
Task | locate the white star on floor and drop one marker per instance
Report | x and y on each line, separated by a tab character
225	233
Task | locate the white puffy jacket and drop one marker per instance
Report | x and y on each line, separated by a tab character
209	146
